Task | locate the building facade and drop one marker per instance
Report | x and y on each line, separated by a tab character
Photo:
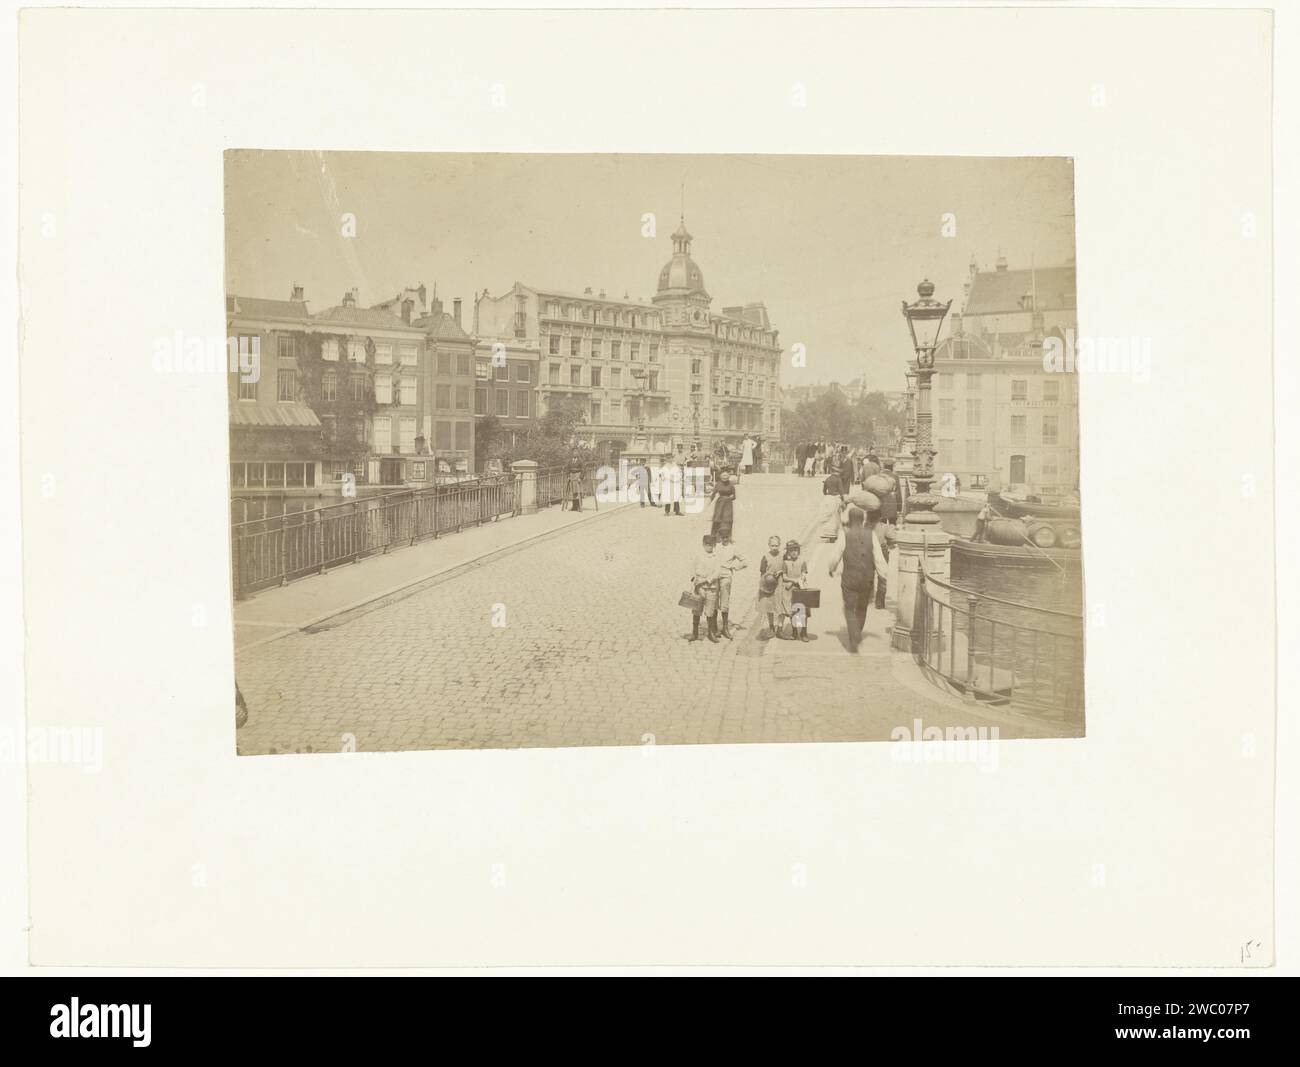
275	432
505	389
1000	419
655	376
368	394
449	376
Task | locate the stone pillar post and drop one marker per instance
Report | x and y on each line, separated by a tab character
912	545
525	472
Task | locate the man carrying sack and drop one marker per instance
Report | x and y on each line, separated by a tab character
862	560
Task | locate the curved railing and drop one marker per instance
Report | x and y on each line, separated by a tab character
277	550
959	638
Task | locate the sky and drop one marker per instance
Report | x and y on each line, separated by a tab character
832	244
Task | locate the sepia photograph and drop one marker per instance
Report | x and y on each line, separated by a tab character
570	450
651	491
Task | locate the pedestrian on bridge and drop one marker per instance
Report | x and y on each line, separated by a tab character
862	560
724	497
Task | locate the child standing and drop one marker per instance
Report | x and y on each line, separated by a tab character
729	562
769	585
705	580
794	573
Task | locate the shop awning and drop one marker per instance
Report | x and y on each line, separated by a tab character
291	416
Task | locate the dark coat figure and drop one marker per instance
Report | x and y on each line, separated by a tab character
724	493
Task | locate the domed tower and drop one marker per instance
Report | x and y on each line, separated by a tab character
681	286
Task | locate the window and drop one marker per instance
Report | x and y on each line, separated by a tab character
522	406
358	388
973	381
523	372
463	364
408	434
357	351
1049	466
256	474
1049	429
442	401
383	435
247	390
1017	429
237	475
555	344
442	436
555	374
713	384
1051	392
417	471
410	352
462	436
444	363
653	379
1019	389
288	383
502	372
503	403
636	350
553	311
945	411
945	380
616	377
275	475
383	351
285	347
482	369
480	401
408	389
329	386
575	347
654	354
595	377
329	349
575	375
616	350
695	366
462	398
595	412
972	412
597	348
726	386
383	389
972	453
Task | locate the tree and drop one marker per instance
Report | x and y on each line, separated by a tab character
549	442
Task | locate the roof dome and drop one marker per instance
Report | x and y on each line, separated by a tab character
681	272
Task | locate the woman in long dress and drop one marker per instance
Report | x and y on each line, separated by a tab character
724	497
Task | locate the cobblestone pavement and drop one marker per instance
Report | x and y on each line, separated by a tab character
593	651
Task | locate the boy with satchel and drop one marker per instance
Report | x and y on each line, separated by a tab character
705	580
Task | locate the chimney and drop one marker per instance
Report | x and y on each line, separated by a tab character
587	291
350	298
455	310
423	296
296	295
1002	262
406	311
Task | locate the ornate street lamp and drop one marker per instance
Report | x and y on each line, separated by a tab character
924	319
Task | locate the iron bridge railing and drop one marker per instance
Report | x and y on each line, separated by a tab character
279	549
961	639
